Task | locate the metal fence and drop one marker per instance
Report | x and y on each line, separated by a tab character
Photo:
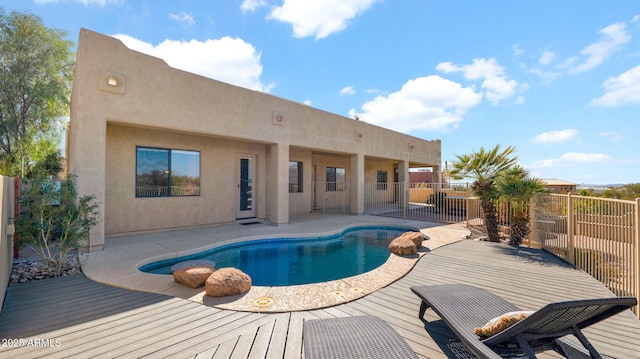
422	201
598	235
331	197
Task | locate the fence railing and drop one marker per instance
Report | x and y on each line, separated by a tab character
331	197
423	201
163	191
598	235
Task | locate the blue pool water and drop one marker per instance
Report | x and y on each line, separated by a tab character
292	261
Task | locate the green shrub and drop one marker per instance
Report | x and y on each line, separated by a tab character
438	199
55	221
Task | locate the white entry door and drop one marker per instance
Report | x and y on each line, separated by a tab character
246	187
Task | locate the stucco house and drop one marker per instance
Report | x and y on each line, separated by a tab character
162	148
560	186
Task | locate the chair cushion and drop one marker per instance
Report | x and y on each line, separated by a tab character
498	324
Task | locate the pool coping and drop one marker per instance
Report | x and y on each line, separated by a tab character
119	267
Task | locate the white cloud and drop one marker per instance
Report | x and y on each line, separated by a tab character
612	135
546	76
496	85
252	5
427	103
319	18
570	159
547	57
184	18
349	90
555	136
517	51
226	59
308	102
615	35
624	89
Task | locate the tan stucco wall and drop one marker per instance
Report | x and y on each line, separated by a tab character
324	199
125	213
7	198
301	202
201	112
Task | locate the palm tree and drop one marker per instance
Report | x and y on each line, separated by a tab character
484	168
517	188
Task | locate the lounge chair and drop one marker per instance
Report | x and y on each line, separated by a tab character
364	337
464	307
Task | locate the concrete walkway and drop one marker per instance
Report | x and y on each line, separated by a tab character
117	265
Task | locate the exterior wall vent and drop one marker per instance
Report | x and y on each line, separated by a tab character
277	119
112	82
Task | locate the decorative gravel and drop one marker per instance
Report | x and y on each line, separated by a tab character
33	268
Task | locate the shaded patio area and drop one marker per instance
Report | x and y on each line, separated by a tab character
76	317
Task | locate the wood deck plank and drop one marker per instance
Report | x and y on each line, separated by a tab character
203	338
262	340
278	341
196	336
207	354
95	320
90	337
129	341
225	349
242	349
293	348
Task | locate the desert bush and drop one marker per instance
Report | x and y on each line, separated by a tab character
55	220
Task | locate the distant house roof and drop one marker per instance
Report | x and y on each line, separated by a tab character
557	182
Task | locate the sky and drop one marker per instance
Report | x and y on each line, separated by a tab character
558	80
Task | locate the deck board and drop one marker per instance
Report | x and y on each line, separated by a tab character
226	349
278	338
90	319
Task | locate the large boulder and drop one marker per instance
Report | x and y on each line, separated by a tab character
415	237
227	281
403	246
193	277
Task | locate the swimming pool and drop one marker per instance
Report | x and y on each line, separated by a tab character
293	261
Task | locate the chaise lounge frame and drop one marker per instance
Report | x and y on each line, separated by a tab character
357	337
463	307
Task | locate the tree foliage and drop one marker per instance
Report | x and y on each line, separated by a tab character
56	221
36	67
628	192
50	165
517	188
485	167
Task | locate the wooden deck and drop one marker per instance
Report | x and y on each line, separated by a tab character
75	317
